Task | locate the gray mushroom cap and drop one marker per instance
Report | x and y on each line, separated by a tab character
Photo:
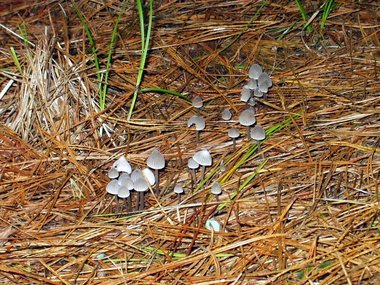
178	189
246	93
216	189
156	160
257	93
226	114
141	185
257	133
197	102
247	117
123	192
113	173
255	70
113	187
126	181
252	84
192	164
264	82
149	176
203	157
233	133
198	121
122	165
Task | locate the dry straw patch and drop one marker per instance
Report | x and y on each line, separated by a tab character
309	216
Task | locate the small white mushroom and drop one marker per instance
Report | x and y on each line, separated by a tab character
257	133
113	187
197	102
149	176
216	189
178	189
247	118
255	70
122	165
203	157
226	114
234	133
252	84
199	122
193	165
113	173
264	82
246	93
156	161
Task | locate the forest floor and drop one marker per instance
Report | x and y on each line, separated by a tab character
301	207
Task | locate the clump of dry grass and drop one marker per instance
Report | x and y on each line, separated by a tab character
307	214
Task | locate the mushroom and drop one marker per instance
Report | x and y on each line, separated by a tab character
203	157
122	165
124	193
113	173
254	71
247	118
252	84
125	180
193	165
113	188
264	82
234	133
216	189
156	161
226	114
178	189
258	134
197	102
141	186
199	123
246	93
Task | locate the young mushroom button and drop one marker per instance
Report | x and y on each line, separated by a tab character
203	157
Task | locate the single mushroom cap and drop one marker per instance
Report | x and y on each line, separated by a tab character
203	157
257	133
125	180
113	187
233	133
113	173
156	160
255	70
192	164
252	102
178	189
247	117
136	174
197	102
149	176
246	93
264	82
123	192
216	189
252	84
198	121
226	114
122	165
141	185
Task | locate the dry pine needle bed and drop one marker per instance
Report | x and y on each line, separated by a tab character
299	207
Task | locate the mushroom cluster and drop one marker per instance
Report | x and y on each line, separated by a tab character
124	179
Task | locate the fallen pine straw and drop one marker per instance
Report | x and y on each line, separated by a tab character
301	209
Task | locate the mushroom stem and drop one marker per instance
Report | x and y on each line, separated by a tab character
203	173
142	201
248	132
129	203
234	143
157	183
137	201
196	137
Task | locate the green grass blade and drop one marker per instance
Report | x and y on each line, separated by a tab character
103	92
15	59
328	7
144	50
304	15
